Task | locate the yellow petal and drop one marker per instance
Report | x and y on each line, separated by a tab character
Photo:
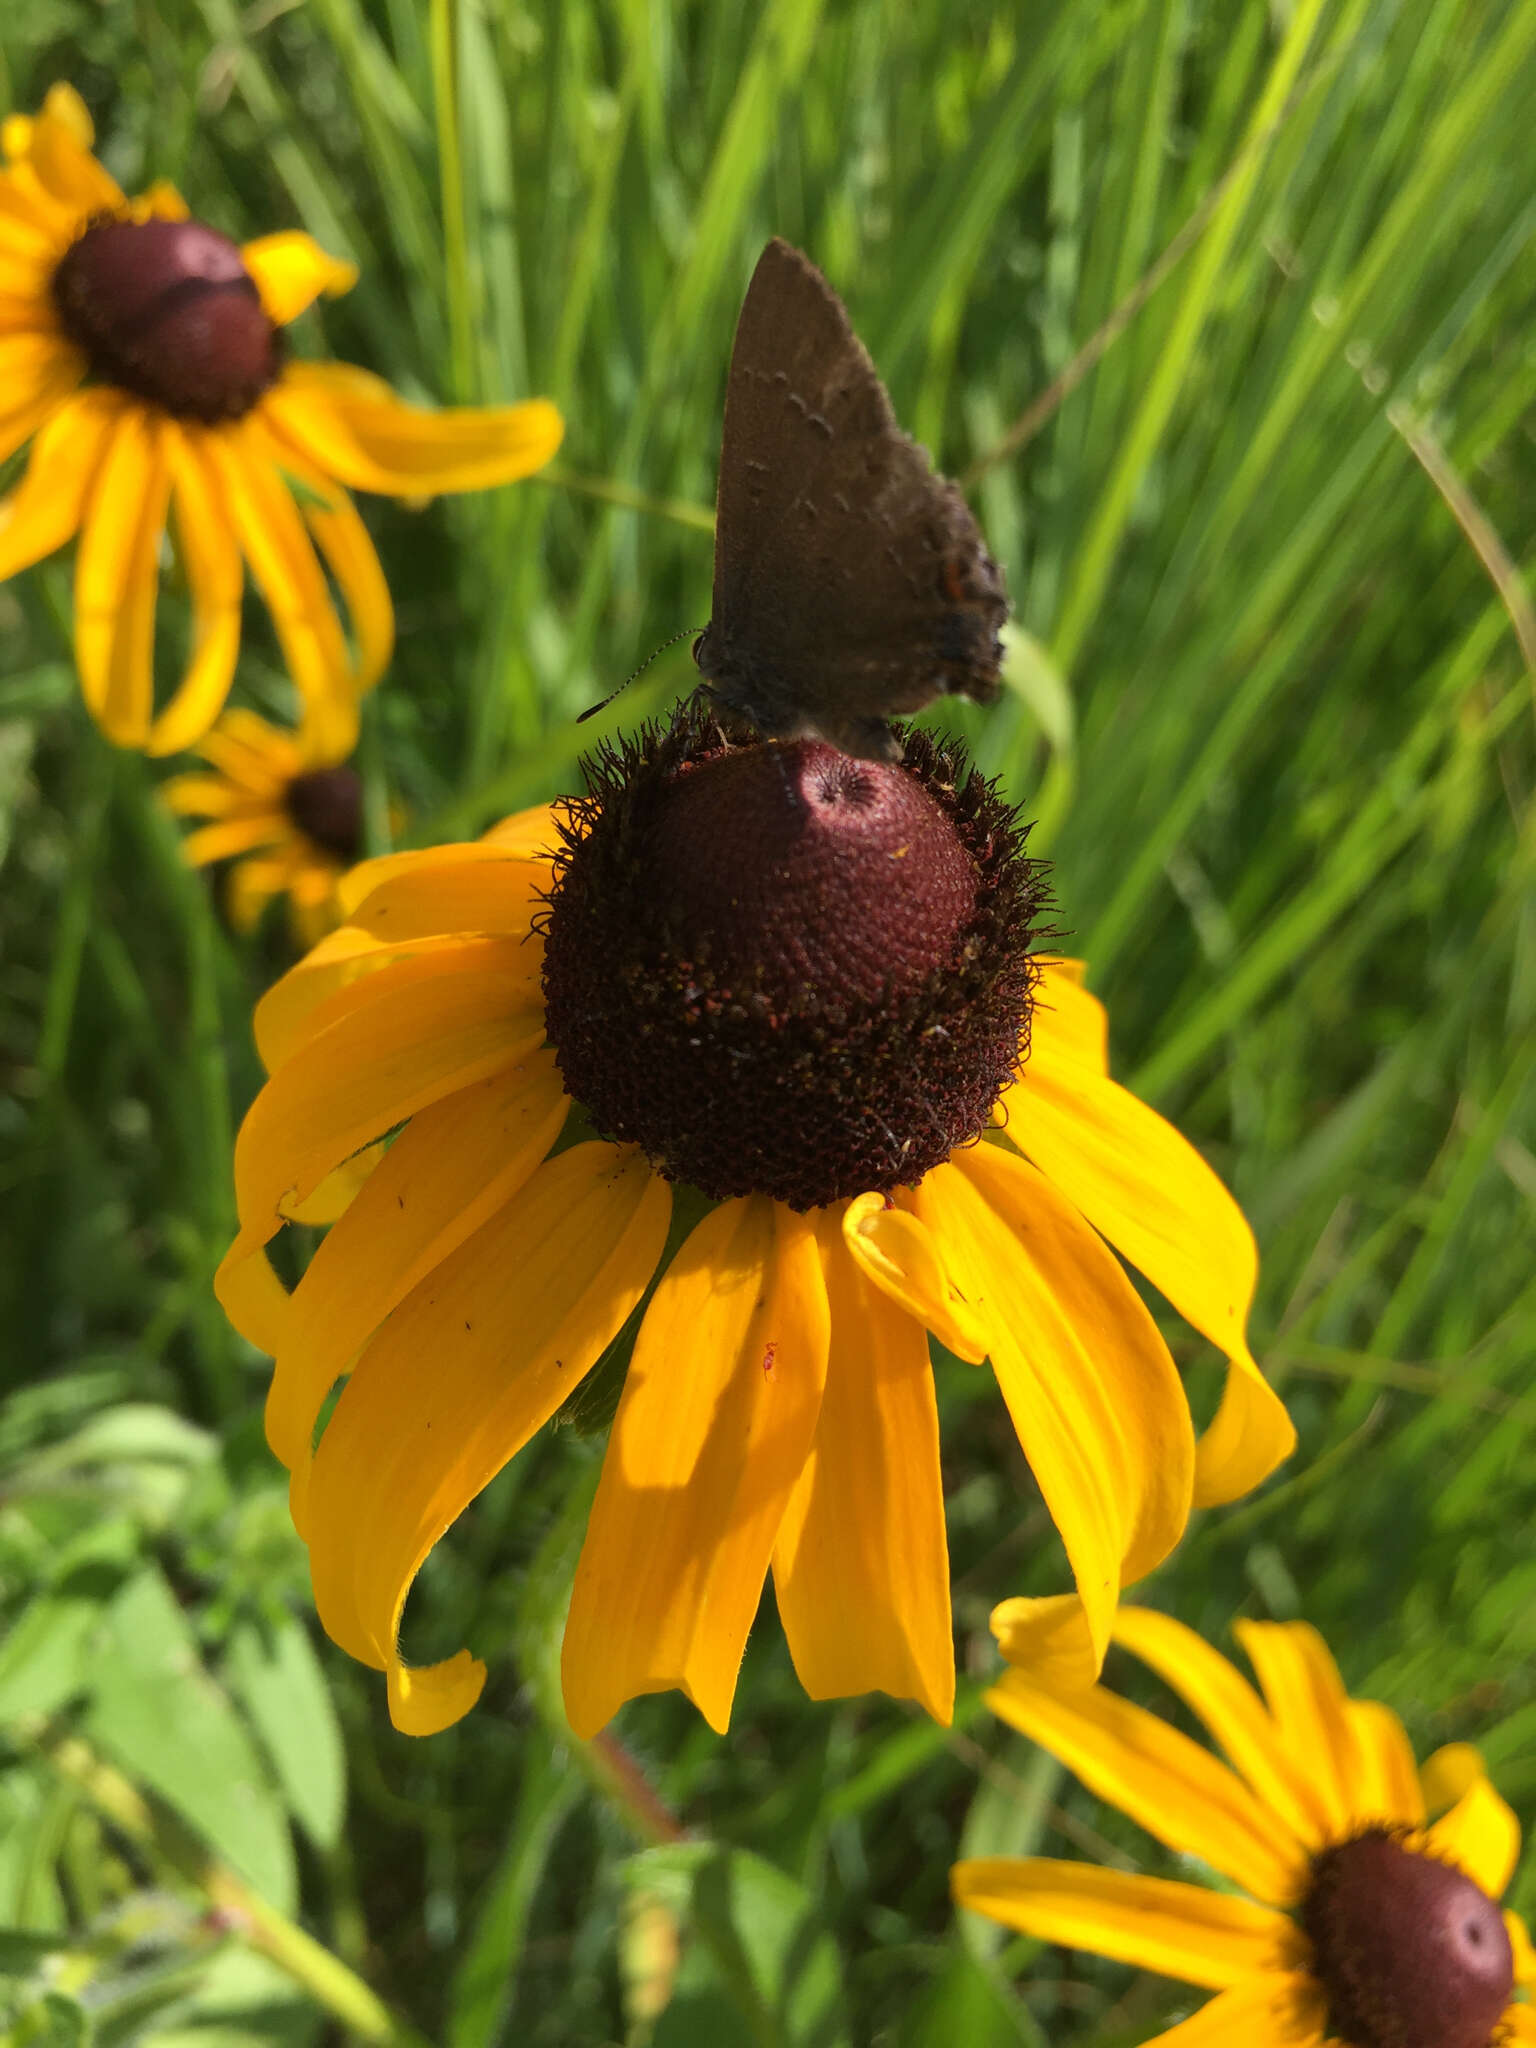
370	875
861	1567
716	1422
1179	1930
260	757
249	888
1150	1193
487	892
1481	1836
1172	1787
1049	1641
1518	2022
1067	1022
339	1190
896	1252
1387	1786
45	509
160	201
64	105
414	1032
211	555
291	271
345	544
531	833
1270	2011
1306	1697
450	1169
37	373
230	836
352	427
470	1364
256	1302
199	796
117	579
60	156
1236	1719
26	265
282	559
341	960
1098	1407
1445	1775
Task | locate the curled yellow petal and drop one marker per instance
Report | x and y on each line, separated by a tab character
1049	1640
896	1252
1446	1774
1481	1836
291	271
351	426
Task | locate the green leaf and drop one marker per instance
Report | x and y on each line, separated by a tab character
55	2021
1029	671
44	1661
759	1967
21	1950
276	1676
160	1715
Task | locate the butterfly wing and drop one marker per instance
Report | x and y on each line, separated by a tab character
852	584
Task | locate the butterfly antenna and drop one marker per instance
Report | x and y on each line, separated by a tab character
593	709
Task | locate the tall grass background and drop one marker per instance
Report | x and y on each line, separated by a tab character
1269	704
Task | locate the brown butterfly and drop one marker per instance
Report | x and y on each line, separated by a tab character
852	584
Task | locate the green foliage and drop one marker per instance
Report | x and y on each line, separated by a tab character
1272	716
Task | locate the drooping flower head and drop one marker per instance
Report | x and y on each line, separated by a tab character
1366	1910
142	353
800	996
283	809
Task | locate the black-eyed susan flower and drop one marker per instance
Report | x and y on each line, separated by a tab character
779	996
142	354
1365	1911
282	808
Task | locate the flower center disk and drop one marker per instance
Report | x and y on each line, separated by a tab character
782	971
167	310
326	805
1410	1952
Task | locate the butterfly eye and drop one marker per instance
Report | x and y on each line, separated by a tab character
697	645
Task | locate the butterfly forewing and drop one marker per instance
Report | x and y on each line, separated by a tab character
851	583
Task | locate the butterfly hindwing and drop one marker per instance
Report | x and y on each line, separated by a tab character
852	584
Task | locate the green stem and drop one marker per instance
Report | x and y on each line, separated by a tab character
682	510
